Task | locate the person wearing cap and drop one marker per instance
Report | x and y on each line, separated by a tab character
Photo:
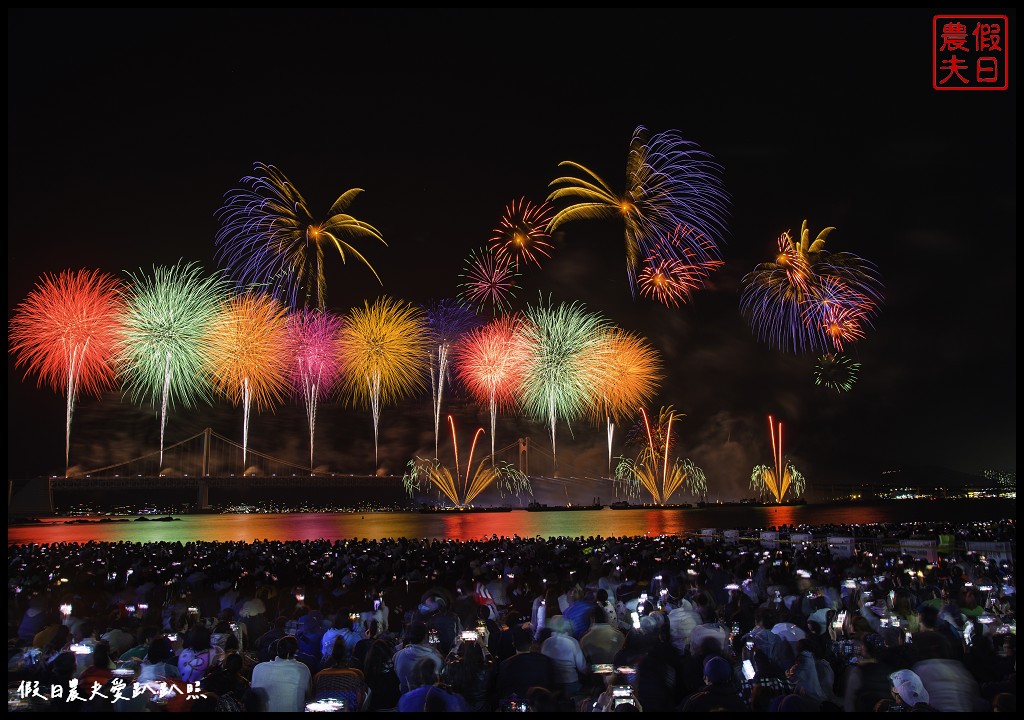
720	691
35	619
908	694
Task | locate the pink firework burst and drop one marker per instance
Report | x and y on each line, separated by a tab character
488	279
316	365
522	233
67	331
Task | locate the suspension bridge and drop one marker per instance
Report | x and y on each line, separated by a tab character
209	460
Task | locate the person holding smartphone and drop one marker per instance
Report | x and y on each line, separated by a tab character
469	671
417	646
761	680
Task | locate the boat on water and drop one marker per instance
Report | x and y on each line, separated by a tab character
463	510
753	502
625	505
542	507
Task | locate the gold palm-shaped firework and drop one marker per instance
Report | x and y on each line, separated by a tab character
777	481
652	470
670	183
269	238
809	298
460	490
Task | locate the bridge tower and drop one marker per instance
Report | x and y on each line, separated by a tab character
203	486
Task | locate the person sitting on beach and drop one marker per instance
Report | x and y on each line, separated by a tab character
283	684
417	646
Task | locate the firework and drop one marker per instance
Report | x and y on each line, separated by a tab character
625	479
626	376
268	238
490	362
808	298
512	481
522	233
780	479
165	321
461	491
247	353
564	342
837	312
381	348
66	331
835	371
447	321
674	271
670	183
652	470
489	279
316	366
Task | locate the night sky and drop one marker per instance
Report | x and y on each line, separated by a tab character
126	128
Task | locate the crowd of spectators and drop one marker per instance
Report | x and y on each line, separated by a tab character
650	623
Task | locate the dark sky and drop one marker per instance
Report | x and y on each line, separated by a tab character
126	128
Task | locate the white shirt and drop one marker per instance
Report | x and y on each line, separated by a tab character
565	651
283	685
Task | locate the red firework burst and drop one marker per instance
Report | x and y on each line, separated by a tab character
677	268
491	361
522	232
67	332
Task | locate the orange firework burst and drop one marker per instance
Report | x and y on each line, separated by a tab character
247	349
838	312
522	232
626	372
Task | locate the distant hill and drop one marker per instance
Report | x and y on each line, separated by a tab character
931	477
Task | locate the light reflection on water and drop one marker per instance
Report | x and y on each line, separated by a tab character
607	522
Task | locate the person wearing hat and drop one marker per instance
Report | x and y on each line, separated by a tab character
908	694
720	691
